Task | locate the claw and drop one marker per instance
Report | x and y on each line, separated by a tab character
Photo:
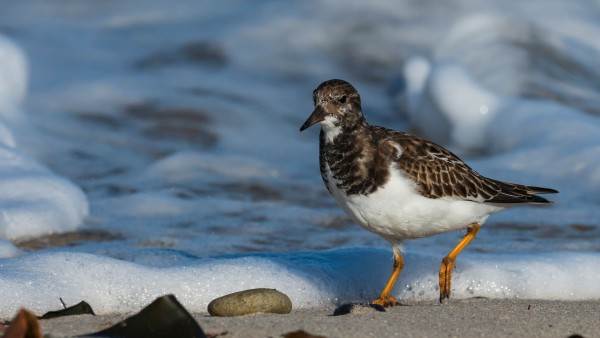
385	301
384	298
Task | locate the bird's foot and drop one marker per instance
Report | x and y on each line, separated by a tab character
385	301
446	277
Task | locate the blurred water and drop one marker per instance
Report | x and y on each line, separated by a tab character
120	88
179	120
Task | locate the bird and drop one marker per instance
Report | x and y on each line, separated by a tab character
403	187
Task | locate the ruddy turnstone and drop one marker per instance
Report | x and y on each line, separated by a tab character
401	187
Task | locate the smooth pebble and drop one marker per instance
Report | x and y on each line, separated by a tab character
250	301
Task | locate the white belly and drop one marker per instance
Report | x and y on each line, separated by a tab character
397	212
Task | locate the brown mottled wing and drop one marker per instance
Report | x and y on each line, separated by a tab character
439	173
526	192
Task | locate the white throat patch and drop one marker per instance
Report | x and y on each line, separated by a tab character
330	128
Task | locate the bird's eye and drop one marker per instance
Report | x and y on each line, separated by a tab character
343	99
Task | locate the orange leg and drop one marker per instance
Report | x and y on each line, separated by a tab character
449	261
384	298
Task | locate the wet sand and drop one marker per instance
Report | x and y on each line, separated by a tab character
457	318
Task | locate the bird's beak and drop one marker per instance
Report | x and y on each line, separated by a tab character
317	116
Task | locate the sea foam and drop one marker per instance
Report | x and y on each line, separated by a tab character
33	200
121	93
310	279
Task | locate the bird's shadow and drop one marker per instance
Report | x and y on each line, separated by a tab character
348	308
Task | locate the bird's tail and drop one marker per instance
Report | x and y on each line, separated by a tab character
518	193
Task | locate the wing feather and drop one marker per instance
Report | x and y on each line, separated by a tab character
439	173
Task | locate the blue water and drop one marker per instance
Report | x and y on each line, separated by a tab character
179	123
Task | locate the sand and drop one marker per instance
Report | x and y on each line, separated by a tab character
457	318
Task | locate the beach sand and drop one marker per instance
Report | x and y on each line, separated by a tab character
457	318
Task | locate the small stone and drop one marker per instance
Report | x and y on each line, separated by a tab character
250	301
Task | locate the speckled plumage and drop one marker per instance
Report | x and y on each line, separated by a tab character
400	186
361	154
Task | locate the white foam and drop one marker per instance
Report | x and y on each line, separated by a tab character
552	142
8	250
187	166
311	279
460	101
257	188
33	200
13	72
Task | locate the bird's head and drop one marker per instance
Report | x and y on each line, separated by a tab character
337	107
